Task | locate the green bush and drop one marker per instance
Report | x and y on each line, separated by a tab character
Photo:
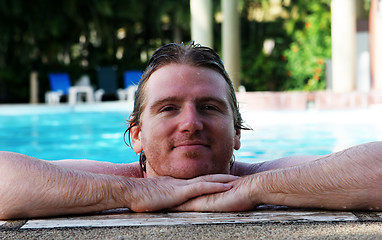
310	47
302	44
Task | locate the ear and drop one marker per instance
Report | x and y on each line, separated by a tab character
237	139
135	136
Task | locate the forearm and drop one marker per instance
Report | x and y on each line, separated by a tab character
34	188
30	187
350	179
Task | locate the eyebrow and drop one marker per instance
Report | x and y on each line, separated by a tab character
162	101
171	99
217	100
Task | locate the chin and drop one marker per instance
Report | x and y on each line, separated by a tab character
196	171
186	168
190	173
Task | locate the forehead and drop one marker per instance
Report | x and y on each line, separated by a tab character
185	81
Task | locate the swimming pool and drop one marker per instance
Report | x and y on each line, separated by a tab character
96	132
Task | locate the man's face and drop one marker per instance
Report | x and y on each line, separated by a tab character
186	128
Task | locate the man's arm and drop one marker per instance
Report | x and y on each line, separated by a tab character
347	180
125	170
350	179
34	188
244	169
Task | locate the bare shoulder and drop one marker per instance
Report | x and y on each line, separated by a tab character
373	148
242	169
370	152
126	170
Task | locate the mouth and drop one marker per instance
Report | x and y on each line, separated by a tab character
190	145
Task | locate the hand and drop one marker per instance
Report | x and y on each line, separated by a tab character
239	198
153	194
350	179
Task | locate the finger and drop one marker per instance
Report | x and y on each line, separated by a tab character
202	188
218	202
222	178
200	204
185	207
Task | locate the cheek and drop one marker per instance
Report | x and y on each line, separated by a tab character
154	141
225	137
227	131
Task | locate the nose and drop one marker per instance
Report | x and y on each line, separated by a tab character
190	120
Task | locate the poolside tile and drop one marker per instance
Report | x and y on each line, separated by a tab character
190	218
11	224
368	216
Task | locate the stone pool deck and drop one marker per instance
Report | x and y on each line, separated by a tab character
267	222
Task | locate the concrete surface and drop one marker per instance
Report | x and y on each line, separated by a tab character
268	222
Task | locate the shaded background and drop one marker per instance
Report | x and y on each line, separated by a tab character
280	50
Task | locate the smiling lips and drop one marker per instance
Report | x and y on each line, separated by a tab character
191	145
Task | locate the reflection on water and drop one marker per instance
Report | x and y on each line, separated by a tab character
285	133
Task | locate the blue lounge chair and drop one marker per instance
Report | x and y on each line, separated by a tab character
107	83
131	80
59	84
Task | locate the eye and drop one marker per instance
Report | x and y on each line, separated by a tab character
209	107
168	108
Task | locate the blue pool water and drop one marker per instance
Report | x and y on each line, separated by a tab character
98	135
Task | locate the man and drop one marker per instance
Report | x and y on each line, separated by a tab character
185	126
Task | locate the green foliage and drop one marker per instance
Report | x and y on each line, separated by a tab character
262	71
302	43
77	36
310	48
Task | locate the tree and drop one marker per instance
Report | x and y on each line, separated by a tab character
77	36
302	42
